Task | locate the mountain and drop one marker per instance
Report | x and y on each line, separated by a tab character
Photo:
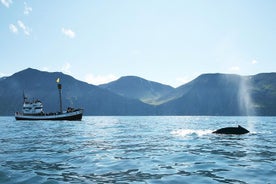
208	94
138	88
263	91
223	94
42	85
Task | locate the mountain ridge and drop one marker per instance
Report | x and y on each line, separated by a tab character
138	88
208	94
42	85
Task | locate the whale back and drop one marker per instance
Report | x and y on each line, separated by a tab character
232	130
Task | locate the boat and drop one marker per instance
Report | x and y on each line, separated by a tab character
33	110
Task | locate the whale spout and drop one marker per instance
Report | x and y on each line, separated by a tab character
232	130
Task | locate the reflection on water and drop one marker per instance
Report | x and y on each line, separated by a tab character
137	149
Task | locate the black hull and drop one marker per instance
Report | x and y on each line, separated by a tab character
75	116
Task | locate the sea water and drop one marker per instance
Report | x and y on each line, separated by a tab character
160	149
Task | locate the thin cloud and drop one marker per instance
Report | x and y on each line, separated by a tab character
13	28
68	32
6	3
45	68
27	9
253	62
235	68
2	74
25	29
66	68
99	79
183	80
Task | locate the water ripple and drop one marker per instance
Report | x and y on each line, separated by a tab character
136	150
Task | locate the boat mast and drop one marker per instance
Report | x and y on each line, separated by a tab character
59	90
24	97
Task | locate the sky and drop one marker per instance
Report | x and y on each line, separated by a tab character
167	41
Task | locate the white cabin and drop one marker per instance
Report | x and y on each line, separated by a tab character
32	108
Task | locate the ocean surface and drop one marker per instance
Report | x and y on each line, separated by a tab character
131	149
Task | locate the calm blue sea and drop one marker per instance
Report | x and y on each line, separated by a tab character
164	149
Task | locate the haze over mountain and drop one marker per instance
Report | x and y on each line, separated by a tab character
208	94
